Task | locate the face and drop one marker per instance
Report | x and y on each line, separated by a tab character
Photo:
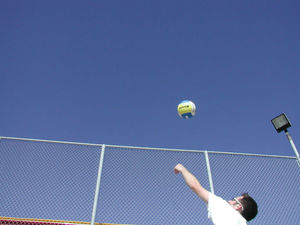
236	204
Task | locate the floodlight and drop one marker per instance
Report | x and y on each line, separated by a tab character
281	123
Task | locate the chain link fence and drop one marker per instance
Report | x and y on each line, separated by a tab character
58	180
47	180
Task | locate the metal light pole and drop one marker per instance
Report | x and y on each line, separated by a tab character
281	123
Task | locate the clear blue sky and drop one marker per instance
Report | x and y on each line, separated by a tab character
113	72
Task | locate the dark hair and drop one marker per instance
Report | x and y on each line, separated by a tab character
250	207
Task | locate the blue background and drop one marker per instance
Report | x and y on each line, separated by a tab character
114	71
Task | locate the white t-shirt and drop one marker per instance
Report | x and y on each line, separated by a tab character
220	212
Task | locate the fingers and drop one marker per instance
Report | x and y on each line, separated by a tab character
176	171
178	168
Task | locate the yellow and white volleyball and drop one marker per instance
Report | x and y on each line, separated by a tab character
186	109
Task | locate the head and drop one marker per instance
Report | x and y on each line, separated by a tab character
245	205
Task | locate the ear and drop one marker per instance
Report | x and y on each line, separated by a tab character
238	207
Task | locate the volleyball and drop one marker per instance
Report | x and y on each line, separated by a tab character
186	109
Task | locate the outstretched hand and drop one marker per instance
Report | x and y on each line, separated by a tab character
178	168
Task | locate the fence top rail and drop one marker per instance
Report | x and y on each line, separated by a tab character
146	148
50	141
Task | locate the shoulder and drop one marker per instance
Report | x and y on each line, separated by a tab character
214	200
221	212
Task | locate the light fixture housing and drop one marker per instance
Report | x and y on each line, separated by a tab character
281	123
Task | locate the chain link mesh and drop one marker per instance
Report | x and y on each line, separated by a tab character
139	187
272	181
57	181
47	180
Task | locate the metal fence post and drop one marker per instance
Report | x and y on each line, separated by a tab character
293	146
98	185
209	173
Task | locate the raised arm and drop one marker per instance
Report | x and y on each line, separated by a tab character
192	182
